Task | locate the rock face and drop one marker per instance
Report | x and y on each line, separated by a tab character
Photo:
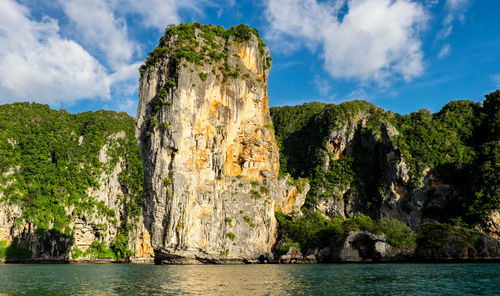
454	248
492	226
415	168
208	150
88	226
361	167
366	246
80	197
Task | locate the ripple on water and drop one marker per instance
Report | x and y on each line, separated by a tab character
321	279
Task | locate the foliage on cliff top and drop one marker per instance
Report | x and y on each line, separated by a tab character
182	42
460	144
50	158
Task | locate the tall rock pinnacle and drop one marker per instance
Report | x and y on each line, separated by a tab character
208	147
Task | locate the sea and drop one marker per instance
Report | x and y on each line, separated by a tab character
314	279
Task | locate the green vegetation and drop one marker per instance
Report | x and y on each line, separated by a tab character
248	220
284	249
459	144
255	194
193	45
120	246
315	231
51	158
269	126
165	126
298	183
3	249
197	44
100	250
76	253
229	221
433	236
231	236
306	159
16	250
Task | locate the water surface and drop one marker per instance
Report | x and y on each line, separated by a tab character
320	279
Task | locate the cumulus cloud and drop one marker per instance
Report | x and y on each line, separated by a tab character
368	40
97	25
37	63
91	56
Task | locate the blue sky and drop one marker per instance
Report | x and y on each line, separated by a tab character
401	55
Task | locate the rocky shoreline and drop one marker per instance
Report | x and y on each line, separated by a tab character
359	247
296	260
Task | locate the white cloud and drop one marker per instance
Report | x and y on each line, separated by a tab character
37	63
301	18
95	22
445	51
376	40
89	54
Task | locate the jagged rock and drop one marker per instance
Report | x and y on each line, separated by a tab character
365	246
209	155
492	224
8	215
290	199
324	255
285	259
400	200
311	259
455	248
292	256
88	226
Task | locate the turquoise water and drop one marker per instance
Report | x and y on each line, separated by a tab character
321	279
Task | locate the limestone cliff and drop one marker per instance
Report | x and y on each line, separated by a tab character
437	173
208	149
414	168
70	186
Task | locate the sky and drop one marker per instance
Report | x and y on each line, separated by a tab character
401	55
